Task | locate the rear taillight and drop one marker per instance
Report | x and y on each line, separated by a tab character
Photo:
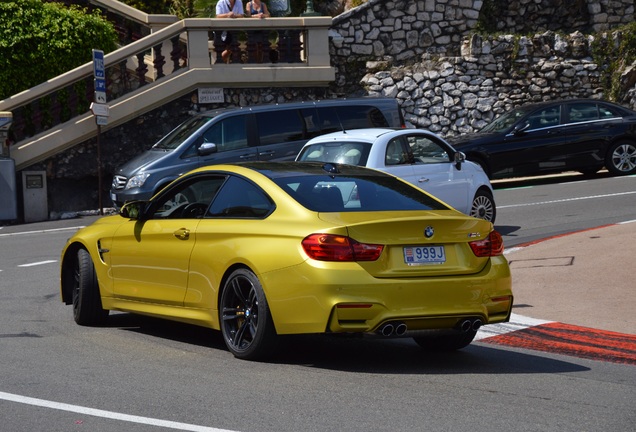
490	246
328	247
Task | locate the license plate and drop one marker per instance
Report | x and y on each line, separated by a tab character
424	255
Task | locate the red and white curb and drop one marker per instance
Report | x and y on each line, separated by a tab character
517	323
559	338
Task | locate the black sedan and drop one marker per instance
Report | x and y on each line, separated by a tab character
582	135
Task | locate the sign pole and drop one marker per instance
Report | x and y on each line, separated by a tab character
99	171
100	110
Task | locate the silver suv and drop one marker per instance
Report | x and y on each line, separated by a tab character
264	132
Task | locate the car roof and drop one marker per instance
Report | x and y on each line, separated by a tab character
567	101
375	100
276	169
365	134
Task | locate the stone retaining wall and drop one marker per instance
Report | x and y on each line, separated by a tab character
451	95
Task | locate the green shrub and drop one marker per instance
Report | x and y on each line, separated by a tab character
39	41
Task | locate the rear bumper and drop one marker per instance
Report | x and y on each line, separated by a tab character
348	299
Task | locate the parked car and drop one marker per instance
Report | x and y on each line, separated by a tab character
417	156
262	249
582	135
263	132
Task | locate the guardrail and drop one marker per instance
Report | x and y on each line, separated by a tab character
165	65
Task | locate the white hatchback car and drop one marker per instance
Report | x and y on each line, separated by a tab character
417	156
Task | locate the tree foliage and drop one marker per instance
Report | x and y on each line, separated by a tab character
39	41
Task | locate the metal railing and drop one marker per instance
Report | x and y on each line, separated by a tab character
164	65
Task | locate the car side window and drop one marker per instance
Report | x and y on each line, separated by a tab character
606	112
543	118
334	119
426	150
396	152
280	126
228	134
189	200
240	198
582	112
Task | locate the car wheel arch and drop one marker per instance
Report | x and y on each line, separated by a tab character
228	272
67	271
480	160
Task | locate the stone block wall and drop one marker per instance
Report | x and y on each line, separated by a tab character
523	16
400	32
452	95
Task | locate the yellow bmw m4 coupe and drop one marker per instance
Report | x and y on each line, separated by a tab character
262	249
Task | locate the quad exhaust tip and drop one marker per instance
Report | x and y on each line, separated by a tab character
395	328
399	328
470	324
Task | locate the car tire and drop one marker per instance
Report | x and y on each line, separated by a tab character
483	206
446	342
621	158
87	303
246	322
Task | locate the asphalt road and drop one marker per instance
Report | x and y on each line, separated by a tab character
143	374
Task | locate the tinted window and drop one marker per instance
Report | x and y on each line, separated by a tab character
544	118
280	126
334	119
240	198
228	134
606	112
501	124
188	200
356	193
581	112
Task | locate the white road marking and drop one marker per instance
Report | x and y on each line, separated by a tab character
41	231
567	200
37	263
108	414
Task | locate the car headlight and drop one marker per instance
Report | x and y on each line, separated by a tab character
137	180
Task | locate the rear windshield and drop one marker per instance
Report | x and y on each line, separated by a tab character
322	193
181	133
344	152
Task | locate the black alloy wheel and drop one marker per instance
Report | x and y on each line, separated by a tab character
246	322
87	303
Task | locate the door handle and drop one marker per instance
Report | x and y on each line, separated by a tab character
423	180
182	234
267	153
248	156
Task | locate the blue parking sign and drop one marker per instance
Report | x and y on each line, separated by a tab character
100	85
99	68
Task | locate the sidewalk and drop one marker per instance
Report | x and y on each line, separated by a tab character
586	278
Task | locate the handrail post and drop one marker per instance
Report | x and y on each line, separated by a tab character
198	46
317	43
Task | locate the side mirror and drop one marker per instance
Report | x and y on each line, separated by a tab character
134	210
460	158
207	148
520	128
